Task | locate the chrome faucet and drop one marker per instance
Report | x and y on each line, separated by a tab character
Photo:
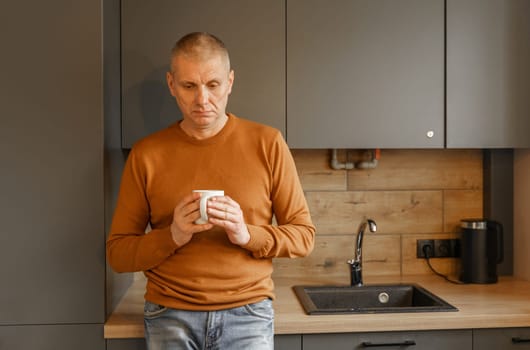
356	264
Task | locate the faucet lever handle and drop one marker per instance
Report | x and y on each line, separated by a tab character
356	274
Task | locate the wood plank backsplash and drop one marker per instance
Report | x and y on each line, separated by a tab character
411	194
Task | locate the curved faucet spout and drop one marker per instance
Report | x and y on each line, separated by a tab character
356	262
360	234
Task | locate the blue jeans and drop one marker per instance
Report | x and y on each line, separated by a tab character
246	327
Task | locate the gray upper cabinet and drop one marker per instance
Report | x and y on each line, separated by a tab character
254	33
488	73
365	74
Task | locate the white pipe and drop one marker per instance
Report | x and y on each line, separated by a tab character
369	164
335	164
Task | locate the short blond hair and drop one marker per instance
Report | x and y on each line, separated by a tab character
200	45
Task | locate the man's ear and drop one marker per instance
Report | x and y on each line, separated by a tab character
170	83
231	77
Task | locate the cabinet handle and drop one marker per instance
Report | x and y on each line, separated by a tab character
367	344
517	340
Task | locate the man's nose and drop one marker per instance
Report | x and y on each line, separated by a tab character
202	95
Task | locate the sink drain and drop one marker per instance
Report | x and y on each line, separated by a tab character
383	297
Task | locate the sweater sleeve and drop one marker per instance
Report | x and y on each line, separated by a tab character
129	248
295	233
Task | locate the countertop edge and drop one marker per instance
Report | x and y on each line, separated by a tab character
500	305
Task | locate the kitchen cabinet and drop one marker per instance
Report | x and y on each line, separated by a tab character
432	340
288	342
346	73
52	258
281	342
488	73
501	339
126	344
52	337
365	74
254	33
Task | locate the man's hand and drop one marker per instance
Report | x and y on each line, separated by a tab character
185	213
225	212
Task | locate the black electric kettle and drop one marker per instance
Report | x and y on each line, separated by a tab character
481	250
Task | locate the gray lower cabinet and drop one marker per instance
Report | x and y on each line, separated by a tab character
431	340
365	74
477	339
501	339
126	344
288	342
52	337
488	73
281	342
254	33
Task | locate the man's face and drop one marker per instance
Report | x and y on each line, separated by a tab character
201	88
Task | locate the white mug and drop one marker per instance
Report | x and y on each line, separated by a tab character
205	194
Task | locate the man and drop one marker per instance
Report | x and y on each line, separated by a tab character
209	285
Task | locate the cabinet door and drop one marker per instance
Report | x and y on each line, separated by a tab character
288	342
281	342
254	33
52	234
364	74
126	344
432	340
501	339
52	337
488	73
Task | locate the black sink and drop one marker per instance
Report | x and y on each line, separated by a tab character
319	300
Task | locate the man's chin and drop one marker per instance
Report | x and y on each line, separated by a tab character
204	116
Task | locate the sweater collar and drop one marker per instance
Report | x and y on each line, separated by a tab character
219	137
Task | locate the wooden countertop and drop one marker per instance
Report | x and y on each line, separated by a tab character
504	304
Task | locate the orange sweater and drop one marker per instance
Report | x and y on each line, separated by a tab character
253	165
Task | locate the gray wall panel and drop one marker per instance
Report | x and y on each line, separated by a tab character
51	208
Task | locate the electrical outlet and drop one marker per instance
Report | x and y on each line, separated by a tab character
442	248
439	248
420	244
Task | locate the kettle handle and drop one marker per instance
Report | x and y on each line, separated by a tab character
500	239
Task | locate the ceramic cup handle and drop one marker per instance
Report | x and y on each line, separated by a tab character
205	195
